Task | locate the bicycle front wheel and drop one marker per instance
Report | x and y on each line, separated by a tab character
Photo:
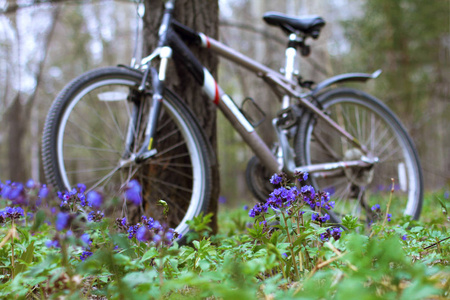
356	190
85	136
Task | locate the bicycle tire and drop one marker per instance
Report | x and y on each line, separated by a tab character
257	179
377	128
80	145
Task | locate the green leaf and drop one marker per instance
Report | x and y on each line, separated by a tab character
39	219
417	229
274	237
152	253
165	205
444	207
26	257
301	238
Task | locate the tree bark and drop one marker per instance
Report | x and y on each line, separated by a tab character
202	16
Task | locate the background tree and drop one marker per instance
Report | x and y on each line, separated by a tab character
409	41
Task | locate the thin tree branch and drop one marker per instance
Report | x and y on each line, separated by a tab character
252	28
14	7
40	72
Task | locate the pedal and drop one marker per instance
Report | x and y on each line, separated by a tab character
289	117
252	112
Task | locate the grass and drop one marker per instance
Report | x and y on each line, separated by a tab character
284	258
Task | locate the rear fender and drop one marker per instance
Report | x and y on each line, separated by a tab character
361	77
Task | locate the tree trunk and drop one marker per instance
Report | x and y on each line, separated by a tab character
17	125
202	16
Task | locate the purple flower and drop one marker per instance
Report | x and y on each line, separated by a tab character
30	184
157	225
331	232
43	192
376	208
309	195
257	210
169	235
405	237
82	199
12	191
132	230
85	255
245	207
85	238
11	213
81	188
222	200
389	216
302	176
62	221
133	192
94	199
276	179
122	223
305	176
320	219
143	234
95	216
52	243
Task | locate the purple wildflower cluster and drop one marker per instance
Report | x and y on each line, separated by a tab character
377	210
321	219
12	213
31	194
285	195
319	199
334	232
288	199
77	195
148	230
87	242
389	216
95	216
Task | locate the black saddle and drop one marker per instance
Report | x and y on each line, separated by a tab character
308	25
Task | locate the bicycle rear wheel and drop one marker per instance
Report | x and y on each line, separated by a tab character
356	190
85	136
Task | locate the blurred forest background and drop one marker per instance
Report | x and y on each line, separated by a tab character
43	46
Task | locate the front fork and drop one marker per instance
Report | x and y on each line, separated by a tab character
157	79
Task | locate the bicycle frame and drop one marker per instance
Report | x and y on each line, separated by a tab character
171	44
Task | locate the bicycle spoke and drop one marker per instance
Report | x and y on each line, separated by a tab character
91	148
116	123
179	144
91	135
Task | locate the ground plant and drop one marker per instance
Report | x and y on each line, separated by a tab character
61	246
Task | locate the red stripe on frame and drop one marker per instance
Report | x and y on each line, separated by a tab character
216	98
208	44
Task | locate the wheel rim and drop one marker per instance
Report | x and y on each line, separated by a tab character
355	191
90	144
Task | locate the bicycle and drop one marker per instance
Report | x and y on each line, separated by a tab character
348	141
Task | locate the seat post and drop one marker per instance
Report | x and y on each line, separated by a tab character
289	67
